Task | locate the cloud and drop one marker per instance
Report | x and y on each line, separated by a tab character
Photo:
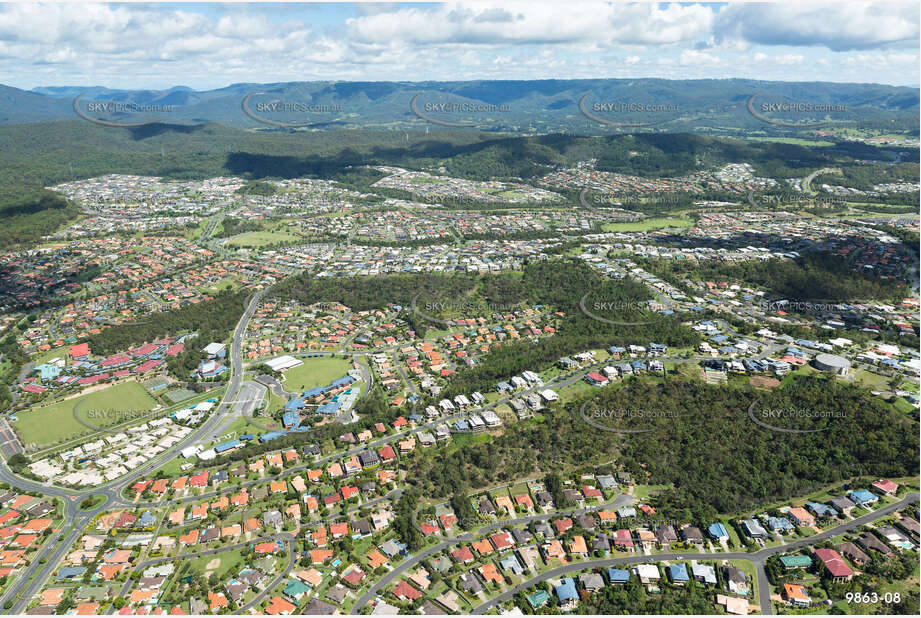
156	46
839	26
536	23
693	57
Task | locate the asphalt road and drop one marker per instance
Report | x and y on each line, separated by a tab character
248	399
241	398
9	442
287	537
757	558
75	521
411	561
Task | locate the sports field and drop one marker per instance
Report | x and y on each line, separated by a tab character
44	426
260	239
645	225
318	371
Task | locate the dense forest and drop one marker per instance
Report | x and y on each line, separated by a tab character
749	465
29	214
865	176
231	227
632	598
813	277
561	284
213	320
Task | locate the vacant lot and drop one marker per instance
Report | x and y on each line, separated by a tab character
50	424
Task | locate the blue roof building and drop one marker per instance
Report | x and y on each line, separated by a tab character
328	408
295	403
862	496
48	371
678	573
290	419
70	573
226	446
566	591
618	576
718	531
779	524
343	381
822	510
313	392
270	436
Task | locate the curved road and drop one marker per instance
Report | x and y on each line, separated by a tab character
410	561
757	558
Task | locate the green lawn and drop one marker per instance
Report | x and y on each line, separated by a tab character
645	225
871	380
749	569
260	239
52	354
790	140
227	282
902	406
318	371
243	425
231	561
44	426
643	492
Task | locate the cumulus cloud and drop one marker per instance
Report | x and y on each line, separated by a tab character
536	23
839	26
152	46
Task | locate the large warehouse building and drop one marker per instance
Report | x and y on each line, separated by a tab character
832	363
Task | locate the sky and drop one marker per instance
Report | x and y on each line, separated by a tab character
204	46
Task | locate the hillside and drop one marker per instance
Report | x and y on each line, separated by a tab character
527	106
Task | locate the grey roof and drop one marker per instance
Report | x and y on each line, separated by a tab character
318	608
591	580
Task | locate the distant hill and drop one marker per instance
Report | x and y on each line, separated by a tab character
528	106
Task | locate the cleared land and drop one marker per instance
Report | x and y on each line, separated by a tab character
45	426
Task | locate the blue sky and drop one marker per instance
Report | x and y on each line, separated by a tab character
212	45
